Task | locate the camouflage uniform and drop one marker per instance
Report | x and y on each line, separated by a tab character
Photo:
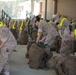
19	31
10	43
65	49
13	29
65	24
10	24
49	33
58	18
65	35
66	46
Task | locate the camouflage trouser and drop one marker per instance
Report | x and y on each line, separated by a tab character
49	40
4	58
66	48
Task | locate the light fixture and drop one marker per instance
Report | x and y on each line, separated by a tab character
41	0
7	0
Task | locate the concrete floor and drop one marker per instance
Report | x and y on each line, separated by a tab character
19	66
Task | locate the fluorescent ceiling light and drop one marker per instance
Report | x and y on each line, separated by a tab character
41	0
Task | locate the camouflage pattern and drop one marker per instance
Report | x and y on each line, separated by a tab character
10	24
18	26
13	30
66	23
58	18
49	33
21	24
66	46
10	43
65	35
32	34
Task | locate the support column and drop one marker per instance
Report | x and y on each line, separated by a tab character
50	9
55	7
41	8
32	6
45	9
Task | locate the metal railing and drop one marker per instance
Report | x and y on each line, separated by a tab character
5	15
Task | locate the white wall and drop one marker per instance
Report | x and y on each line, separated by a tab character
67	7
